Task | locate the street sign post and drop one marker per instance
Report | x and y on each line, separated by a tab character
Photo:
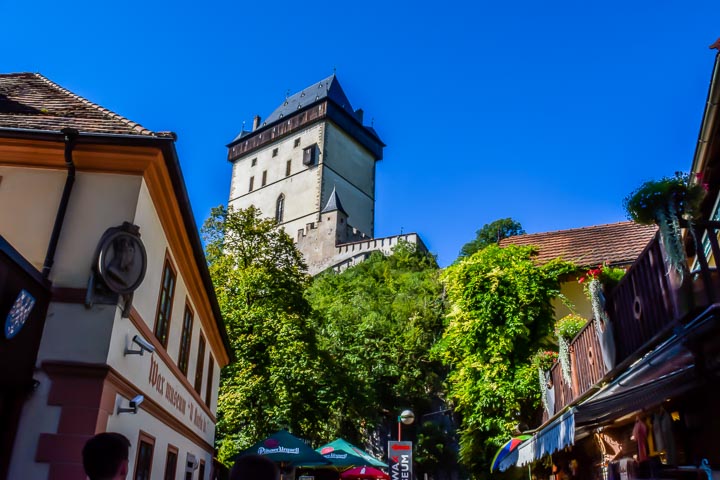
400	460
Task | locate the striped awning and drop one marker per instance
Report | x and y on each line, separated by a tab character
557	435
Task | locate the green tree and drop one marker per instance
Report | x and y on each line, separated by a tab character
276	379
378	321
491	234
434	449
500	313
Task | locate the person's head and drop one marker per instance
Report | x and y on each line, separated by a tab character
105	456
254	467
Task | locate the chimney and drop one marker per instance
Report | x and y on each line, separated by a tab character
256	122
359	114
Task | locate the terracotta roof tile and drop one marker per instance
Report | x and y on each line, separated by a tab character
614	243
31	101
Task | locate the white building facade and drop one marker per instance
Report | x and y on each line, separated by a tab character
87	364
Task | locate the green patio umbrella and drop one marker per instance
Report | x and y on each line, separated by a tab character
286	449
344	454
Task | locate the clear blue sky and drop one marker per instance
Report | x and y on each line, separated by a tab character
547	112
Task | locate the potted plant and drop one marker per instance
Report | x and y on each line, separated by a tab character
664	202
543	360
566	328
597	283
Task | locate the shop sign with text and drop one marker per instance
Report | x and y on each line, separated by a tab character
400	460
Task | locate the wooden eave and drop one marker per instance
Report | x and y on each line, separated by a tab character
303	118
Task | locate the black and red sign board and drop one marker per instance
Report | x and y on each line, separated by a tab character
400	460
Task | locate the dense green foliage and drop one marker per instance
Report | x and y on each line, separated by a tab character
500	314
277	378
433	450
378	321
491	234
325	358
340	354
569	326
656	201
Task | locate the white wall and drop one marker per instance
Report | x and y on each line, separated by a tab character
301	188
77	334
137	368
130	426
146	297
29	200
350	168
31	425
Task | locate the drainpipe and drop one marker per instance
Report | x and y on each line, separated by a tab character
70	136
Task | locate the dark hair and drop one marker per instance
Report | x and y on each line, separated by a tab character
254	467
104	453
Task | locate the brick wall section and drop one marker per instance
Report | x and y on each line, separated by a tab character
86	401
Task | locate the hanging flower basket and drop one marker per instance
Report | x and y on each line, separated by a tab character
664	202
566	329
543	360
597	282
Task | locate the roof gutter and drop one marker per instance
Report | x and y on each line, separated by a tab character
709	119
70	134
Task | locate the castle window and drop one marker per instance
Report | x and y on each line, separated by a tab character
253	162
288	167
264	178
252	181
297	142
275	150
280	208
310	155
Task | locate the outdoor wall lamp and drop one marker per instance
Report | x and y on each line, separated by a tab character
407	417
134	404
144	345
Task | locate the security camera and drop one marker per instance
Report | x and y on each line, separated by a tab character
134	404
144	345
191	463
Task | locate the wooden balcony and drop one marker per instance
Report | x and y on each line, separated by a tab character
643	309
587	368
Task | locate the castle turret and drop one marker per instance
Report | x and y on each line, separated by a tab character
334	218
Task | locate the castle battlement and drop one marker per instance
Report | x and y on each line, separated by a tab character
384	244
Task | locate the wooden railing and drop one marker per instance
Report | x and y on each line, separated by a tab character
641	305
586	360
587	368
644	307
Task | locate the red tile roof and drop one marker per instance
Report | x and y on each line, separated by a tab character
31	101
614	243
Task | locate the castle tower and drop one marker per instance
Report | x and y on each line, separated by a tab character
313	144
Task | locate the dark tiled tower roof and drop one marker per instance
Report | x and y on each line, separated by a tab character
32	102
326	88
333	204
615	243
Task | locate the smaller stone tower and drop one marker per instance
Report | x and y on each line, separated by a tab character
333	243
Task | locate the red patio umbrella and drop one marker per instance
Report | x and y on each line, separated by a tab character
363	473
